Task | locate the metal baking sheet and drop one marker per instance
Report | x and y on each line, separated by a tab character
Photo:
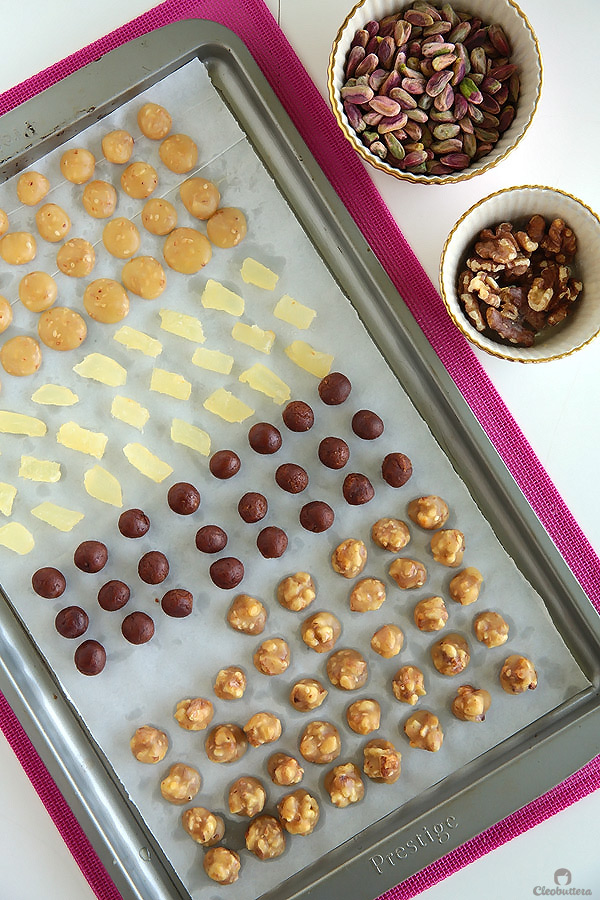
434	818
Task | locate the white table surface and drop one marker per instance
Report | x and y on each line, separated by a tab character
556	404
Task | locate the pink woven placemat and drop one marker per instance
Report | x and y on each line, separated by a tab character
253	23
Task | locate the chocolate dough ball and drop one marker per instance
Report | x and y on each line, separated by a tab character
113	595
272	542
334	452
133	523
264	438
72	622
153	567
253	507
90	556
183	498
334	389
177	603
367	425
291	478
137	628
396	469
48	582
226	572
298	416
90	658
316	516
224	464
357	489
211	539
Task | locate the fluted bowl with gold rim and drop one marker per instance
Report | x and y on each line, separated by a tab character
525	54
517	205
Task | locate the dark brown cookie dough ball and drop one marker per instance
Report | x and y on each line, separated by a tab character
291	478
264	438
357	489
316	516
334	452
133	523
334	389
253	507
367	425
183	498
72	622
153	567
177	603
298	416
227	572
211	539
113	595
48	582
137	628
90	658
224	464
91	556
396	469
272	542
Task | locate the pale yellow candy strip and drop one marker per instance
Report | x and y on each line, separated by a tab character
54	395
262	379
39	469
188	327
103	369
103	486
213	360
289	310
146	462
256	273
18	423
253	336
129	411
138	340
170	383
309	359
58	516
225	405
7	497
216	296
73	436
16	537
190	436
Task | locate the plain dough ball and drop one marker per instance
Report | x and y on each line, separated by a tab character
139	180
144	276
121	238
52	222
200	197
154	121
179	153
159	216
37	291
6	314
18	248
76	258
106	300
117	146
227	227
32	187
61	328
3	222
99	199
21	355
187	250
77	165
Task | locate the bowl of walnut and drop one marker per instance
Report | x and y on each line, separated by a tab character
434	93
520	274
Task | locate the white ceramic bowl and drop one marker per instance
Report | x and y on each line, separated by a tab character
519	204
525	53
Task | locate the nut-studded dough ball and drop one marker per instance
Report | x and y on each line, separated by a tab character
347	669
159	216
296	592
387	641
226	743
298	812
265	837
247	797
222	865
227	227
230	683
408	685
429	512
367	595
284	770
53	223
179	153
181	784
121	238
200	197
117	146
144	276
518	675
424	731
471	704
448	547
105	300
349	558
321	631
139	180
32	187
390	534
344	785
194	714
382	762
77	165
262	728
6	314
364	716
272	657
320	742
246	614
37	291
491	629
21	355
76	258
307	694
187	250
149	744
17	248
430	614
61	328
464	588
99	199
203	826
408	573
451	654
154	121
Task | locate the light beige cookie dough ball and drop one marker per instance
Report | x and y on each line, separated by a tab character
200	197
154	121
296	592
307	694
222	865
186	250
99	199
159	216
320	631
247	797
61	328
430	614
364	716
149	744
262	728
471	704
21	356
408	684
227	227
117	146
106	300
349	558
387	641
320	742
144	276
17	248
203	826
347	669
179	153
194	714
247	614
424	731
272	657
491	629
265	837
6	314
230	683
408	573
226	743
464	588
428	512
298	812
390	534
77	165
38	291
76	258
139	180
181	784
518	675
53	223
344	785
382	762
121	238
451	655
367	595
284	770
32	187
448	547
